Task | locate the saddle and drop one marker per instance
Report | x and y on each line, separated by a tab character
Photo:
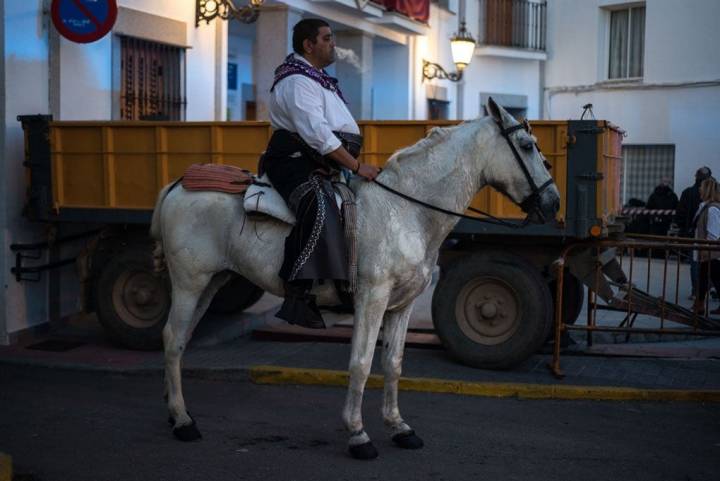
261	200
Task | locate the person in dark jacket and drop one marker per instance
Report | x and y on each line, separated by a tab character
684	214
689	202
662	198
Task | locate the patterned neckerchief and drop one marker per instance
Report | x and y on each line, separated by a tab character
294	66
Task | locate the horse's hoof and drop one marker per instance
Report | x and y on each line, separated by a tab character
363	451
408	440
186	433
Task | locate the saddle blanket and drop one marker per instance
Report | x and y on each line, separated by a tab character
219	178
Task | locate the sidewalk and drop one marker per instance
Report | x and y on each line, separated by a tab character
223	349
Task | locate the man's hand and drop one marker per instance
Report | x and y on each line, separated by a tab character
367	171
341	156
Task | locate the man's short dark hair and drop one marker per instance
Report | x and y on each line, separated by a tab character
306	29
703	173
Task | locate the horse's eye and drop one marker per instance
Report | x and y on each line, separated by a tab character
547	165
526	144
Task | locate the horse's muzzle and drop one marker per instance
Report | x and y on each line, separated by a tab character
547	208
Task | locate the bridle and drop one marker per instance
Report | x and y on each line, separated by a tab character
532	201
529	204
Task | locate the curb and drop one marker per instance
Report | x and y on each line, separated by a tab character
323	377
6	471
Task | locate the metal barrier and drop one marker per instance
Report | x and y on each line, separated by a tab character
610	289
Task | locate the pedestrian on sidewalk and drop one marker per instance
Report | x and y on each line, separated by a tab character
662	198
685	213
707	222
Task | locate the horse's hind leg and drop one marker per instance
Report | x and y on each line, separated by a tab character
188	305
395	327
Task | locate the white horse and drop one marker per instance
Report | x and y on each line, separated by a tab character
203	235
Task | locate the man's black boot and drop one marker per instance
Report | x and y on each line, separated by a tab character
299	308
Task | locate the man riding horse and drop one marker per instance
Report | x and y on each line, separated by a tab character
314	137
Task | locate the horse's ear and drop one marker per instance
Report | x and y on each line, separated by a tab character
494	110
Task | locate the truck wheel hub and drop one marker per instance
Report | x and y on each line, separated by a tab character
487	310
139	298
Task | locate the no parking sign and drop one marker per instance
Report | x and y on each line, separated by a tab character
84	21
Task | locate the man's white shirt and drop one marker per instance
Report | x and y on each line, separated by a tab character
300	104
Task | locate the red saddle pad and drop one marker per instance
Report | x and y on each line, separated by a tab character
219	178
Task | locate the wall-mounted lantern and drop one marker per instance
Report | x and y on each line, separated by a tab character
462	45
209	9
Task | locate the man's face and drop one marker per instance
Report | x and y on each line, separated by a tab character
323	49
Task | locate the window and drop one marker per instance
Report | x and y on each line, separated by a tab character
438	109
627	43
515	105
644	166
152	81
513	23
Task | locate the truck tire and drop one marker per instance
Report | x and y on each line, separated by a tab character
235	296
492	310
573	297
132	301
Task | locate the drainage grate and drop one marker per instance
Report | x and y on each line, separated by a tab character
55	345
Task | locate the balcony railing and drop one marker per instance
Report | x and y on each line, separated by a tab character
513	23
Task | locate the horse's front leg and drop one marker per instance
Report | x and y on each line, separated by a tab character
370	306
395	327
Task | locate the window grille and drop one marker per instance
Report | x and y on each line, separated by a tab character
153	81
644	166
627	43
513	23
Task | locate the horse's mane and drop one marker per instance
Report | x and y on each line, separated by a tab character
436	136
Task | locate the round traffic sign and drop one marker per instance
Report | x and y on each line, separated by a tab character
84	21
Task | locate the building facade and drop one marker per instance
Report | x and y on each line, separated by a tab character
651	67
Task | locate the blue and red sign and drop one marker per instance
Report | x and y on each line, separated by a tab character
84	21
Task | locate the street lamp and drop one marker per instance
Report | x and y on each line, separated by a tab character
462	46
209	9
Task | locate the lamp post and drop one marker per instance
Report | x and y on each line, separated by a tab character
209	9
462	46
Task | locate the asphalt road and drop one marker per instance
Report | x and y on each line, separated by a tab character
64	425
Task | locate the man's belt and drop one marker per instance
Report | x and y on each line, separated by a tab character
352	142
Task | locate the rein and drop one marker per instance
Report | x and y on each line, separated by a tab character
531	201
492	219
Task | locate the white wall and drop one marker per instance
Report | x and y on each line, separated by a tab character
390	81
667	106
200	72
86	80
26	92
503	76
681	42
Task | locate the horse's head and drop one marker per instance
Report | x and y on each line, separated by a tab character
519	170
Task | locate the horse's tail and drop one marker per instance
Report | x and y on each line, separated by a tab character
156	228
